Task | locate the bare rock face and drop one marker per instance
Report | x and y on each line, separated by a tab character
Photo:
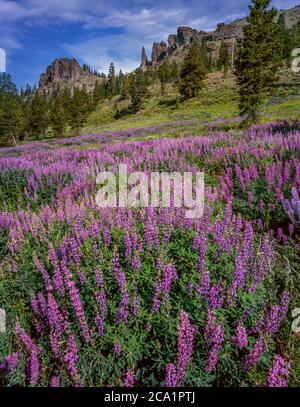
172	43
144	61
225	31
159	52
60	70
66	72
185	36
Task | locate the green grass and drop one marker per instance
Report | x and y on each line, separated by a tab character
218	101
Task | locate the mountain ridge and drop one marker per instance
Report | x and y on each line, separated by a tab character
177	43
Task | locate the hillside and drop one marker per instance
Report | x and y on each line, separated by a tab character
216	103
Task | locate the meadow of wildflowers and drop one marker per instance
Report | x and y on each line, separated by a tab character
146	297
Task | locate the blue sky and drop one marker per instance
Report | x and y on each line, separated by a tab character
35	32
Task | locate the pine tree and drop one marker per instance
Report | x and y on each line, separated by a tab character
12	119
138	90
60	112
120	80
259	59
79	109
112	80
192	74
38	116
98	94
6	84
125	91
224	58
164	76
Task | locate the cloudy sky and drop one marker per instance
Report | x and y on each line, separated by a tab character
35	32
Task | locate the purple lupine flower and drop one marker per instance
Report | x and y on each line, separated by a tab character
33	368
255	354
279	373
291	228
10	362
292	207
54	316
241	338
101	299
76	258
25	339
129	378
136	262
77	306
171	375
122	311
54	381
214	335
169	274
163	286
58	282
71	358
186	334
106	237
240	271
216	296
239	174
128	246
117	348
46	277
136	304
39	324
276	315
248	244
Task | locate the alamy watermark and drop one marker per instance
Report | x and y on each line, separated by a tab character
152	190
296	60
2	60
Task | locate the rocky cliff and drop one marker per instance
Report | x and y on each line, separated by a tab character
66	72
177	44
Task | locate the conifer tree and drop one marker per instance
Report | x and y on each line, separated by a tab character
98	93
259	58
125	91
38	116
79	109
120	80
163	75
12	119
112	80
192	74
60	112
138	90
6	84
